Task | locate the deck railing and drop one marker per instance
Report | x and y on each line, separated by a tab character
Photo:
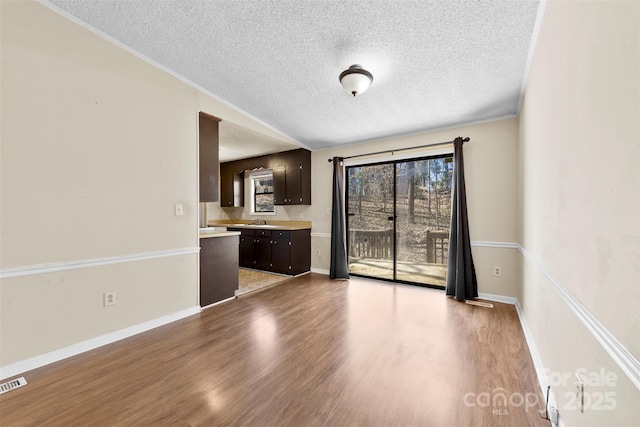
377	244
373	244
437	247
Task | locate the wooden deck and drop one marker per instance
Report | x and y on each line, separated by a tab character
308	352
430	274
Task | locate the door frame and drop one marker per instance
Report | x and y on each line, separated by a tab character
394	162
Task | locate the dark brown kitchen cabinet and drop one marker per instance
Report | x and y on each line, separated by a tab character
208	148
287	185
231	186
218	269
263	253
300	259
279	251
292	178
247	249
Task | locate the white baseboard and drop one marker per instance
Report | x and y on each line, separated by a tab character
537	360
31	363
498	298
320	271
219	302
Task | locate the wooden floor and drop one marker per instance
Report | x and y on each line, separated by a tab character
308	352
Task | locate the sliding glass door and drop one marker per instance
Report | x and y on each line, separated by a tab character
398	219
370	224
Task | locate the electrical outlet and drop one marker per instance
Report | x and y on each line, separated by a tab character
554	415
178	209
318	252
497	271
110	298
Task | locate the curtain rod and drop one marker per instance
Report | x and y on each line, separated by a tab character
467	139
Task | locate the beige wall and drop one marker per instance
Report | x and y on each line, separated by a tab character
97	147
491	161
580	193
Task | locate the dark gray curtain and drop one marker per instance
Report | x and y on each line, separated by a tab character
461	273
339	268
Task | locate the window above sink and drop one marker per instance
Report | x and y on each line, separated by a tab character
262	201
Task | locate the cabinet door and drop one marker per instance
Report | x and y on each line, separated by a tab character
300	251
209	166
231	186
280	255
293	184
280	186
226	186
218	269
247	251
263	253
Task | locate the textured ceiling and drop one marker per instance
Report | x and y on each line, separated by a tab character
435	63
237	142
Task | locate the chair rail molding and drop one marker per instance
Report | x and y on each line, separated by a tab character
618	352
94	262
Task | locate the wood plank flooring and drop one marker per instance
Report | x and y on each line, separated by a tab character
308	352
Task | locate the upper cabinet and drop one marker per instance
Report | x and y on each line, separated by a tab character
209	165
292	178
231	185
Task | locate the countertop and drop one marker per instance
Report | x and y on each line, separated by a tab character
272	225
206	233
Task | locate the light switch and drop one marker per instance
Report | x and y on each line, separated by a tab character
178	209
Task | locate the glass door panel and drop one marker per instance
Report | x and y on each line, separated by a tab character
423	216
370	225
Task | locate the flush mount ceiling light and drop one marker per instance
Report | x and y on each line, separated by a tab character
355	79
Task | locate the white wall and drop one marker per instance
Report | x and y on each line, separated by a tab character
491	161
580	196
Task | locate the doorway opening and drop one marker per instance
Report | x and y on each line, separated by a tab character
398	219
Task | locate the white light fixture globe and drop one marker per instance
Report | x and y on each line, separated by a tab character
355	79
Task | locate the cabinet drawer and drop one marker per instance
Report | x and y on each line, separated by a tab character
243	231
283	234
263	233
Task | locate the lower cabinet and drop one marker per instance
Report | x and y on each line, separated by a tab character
247	249
218	269
279	251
